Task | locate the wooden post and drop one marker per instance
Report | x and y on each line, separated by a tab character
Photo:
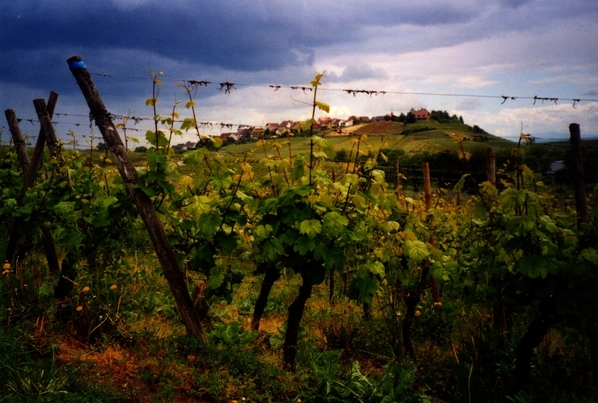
397	178
578	176
427	186
46	126
412	297
23	157
498	309
38	151
41	142
29	174
491	165
19	142
164	252
428	198
582	217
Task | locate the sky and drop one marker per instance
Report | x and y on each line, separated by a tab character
462	56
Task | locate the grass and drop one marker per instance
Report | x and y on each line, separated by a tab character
424	136
150	358
430	136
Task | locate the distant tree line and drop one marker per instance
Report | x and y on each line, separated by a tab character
439	116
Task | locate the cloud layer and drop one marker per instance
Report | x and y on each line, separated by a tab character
510	47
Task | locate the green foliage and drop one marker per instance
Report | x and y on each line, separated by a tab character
157	139
514	248
231	334
328	383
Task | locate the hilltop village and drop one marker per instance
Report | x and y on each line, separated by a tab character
332	126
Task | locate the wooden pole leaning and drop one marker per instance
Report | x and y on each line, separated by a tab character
41	142
29	172
172	273
19	142
30	168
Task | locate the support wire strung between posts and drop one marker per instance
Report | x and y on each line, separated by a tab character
227	86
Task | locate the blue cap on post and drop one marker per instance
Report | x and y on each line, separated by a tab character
75	63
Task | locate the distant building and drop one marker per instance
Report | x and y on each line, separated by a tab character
420	114
232	136
555	167
250	132
180	147
347	123
286	124
272	127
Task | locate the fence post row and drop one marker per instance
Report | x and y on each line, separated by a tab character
29	169
148	214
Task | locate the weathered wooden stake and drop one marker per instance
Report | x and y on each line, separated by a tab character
578	176
428	199
582	217
48	240
29	174
427	185
397	178
46	126
498	309
413	297
19	142
38	151
148	214
491	165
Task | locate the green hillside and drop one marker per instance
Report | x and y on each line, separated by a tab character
430	136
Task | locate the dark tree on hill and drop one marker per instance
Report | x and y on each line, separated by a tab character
439	115
478	129
410	118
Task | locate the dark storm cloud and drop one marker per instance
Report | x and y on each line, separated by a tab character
169	32
260	41
37	36
236	36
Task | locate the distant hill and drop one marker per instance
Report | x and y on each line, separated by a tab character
430	136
